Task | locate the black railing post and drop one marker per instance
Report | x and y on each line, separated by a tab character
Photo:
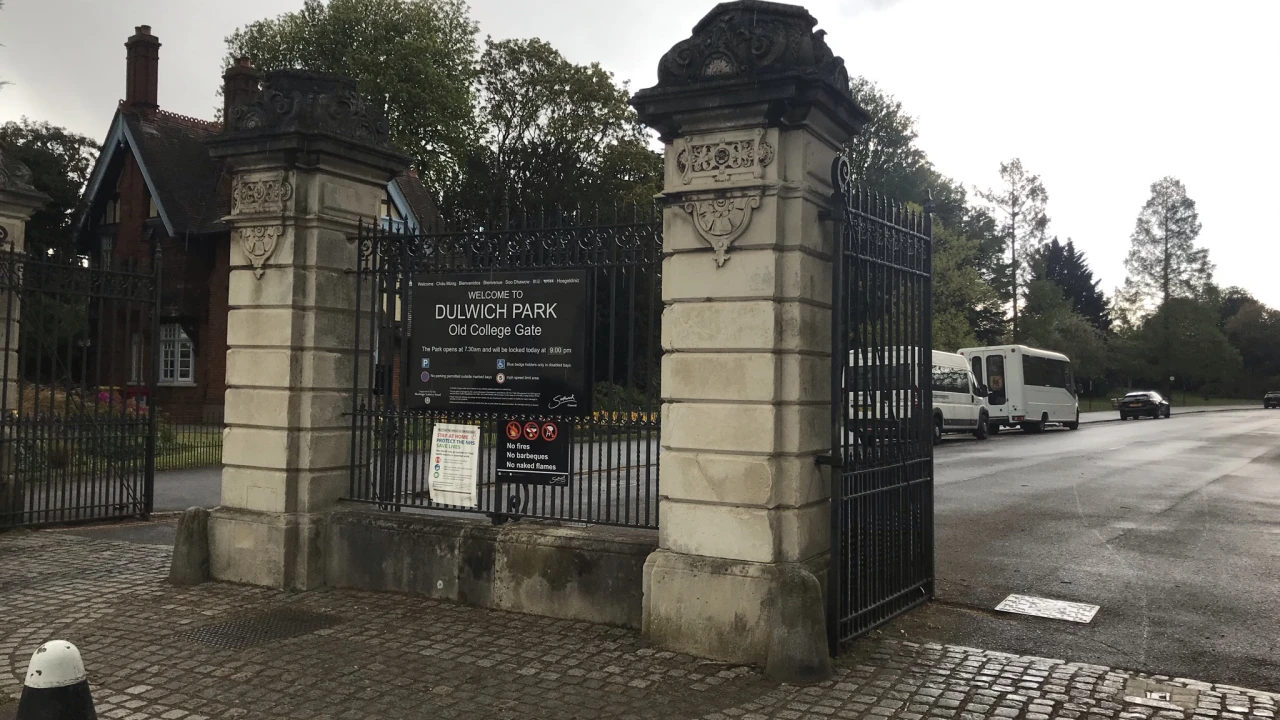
149	481
839	358
356	349
930	550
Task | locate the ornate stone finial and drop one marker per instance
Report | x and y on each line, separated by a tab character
14	175
310	102
750	39
759	62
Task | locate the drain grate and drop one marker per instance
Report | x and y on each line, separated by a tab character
279	624
1046	608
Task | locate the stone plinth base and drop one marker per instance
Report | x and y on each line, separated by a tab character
772	615
278	550
593	574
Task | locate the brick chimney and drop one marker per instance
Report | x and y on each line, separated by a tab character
142	71
239	84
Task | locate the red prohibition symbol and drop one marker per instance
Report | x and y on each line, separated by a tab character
513	430
550	431
531	431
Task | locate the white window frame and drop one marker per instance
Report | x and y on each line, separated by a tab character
175	348
135	359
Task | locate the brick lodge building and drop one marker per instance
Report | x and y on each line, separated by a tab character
155	182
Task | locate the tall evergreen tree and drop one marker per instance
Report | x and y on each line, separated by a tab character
1164	262
1066	267
1019	206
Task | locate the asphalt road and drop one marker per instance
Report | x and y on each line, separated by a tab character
1171	526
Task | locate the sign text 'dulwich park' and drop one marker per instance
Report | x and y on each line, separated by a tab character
508	342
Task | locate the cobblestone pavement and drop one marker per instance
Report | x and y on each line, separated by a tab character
154	651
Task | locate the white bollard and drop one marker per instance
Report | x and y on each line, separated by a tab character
57	687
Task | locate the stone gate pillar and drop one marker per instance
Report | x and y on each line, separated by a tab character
19	200
308	160
752	109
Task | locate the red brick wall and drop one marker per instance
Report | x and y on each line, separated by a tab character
194	287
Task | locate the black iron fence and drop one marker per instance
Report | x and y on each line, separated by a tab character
183	444
882	483
77	440
613	472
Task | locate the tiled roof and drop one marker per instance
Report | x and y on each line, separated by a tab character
420	200
185	177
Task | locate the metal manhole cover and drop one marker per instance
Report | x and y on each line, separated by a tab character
279	624
1140	691
1046	608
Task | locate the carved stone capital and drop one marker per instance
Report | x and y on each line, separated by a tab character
269	194
722	220
740	153
258	244
751	63
310	102
751	38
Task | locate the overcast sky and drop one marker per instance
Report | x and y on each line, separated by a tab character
1099	97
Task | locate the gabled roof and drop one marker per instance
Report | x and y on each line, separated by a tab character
408	192
184	180
180	175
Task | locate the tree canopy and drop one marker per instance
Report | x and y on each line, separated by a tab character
510	124
552	133
1163	261
60	162
415	57
1066	267
1019	204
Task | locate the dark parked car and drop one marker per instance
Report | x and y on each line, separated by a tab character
1271	399
1143	404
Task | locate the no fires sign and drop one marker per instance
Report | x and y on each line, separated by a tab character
534	452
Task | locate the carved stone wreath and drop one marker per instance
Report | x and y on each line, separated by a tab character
258	244
721	158
260	196
722	220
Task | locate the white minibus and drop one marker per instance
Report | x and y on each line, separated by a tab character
1026	387
958	404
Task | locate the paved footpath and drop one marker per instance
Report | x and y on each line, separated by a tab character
228	651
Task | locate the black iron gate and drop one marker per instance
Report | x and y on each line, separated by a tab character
613	461
882	482
77	436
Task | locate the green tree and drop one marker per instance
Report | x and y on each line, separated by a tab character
968	269
884	156
1254	330
1231	301
1182	340
1049	321
1163	261
1019	206
958	290
555	134
1067	268
60	163
414	57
